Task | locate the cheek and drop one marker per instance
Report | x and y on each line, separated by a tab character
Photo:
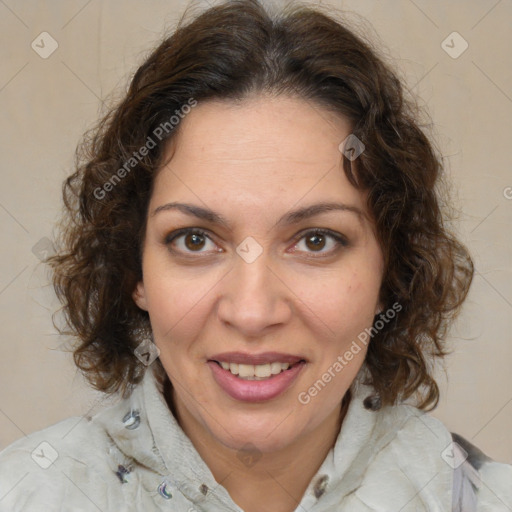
177	299
341	301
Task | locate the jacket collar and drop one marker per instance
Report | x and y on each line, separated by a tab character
144	429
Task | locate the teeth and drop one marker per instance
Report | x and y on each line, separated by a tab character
255	371
262	370
246	370
275	368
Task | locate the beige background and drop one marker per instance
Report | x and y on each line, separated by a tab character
47	104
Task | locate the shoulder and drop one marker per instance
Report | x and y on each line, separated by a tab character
477	482
404	469
415	431
421	444
75	438
495	487
62	460
480	483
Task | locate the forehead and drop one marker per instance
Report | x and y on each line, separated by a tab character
271	152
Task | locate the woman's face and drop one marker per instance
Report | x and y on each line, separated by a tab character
260	286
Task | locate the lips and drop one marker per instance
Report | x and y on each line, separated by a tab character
255	377
256	359
255	390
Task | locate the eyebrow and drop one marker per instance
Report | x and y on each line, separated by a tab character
293	217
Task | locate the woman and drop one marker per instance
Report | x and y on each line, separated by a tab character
254	258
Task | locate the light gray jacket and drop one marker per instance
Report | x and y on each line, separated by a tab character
133	456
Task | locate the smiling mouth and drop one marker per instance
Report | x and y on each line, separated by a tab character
257	371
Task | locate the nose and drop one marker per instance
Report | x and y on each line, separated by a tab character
254	298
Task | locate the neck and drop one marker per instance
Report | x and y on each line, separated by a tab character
263	482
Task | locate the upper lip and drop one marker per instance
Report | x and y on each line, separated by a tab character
262	358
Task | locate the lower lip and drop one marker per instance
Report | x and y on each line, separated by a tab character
255	390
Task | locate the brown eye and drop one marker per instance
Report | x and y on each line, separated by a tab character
189	240
194	241
315	241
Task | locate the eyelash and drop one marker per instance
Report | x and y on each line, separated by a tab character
340	240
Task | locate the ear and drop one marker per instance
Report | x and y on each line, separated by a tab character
139	296
379	308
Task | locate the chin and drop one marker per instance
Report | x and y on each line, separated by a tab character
268	434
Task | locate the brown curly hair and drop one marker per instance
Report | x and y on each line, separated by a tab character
231	51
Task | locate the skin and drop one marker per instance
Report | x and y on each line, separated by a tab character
253	162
